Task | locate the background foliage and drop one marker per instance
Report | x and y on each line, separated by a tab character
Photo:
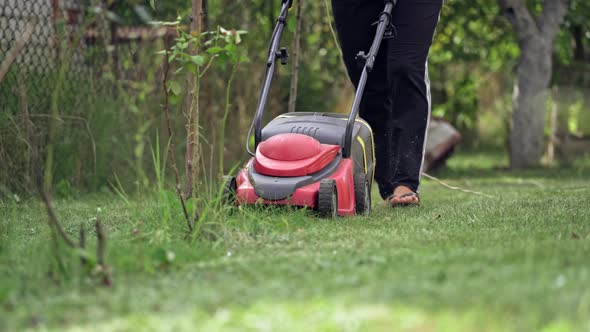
106	135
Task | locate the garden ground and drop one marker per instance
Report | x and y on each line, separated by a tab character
517	261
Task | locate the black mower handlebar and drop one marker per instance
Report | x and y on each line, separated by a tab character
274	54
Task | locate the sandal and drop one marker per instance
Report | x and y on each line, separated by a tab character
390	202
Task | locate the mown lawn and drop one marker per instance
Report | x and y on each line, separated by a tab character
518	261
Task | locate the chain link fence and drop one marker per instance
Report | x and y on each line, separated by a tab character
37	38
52	53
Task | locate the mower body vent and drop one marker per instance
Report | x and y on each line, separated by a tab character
309	131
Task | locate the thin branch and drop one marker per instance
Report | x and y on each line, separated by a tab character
171	145
13	53
100	253
295	66
192	98
53	221
38	173
333	32
442	183
188	189
208	66
82	245
196	132
26	119
100	244
225	116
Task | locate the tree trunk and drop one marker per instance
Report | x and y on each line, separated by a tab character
536	36
205	16
527	139
197	22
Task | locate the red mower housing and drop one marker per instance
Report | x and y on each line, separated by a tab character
299	162
297	155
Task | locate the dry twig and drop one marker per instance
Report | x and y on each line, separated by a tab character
100	250
82	245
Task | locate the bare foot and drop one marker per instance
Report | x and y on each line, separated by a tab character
403	196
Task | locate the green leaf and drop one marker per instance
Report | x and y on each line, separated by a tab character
174	87
153	4
198	60
214	50
230	48
191	67
174	99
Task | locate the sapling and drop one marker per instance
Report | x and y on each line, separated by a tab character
217	46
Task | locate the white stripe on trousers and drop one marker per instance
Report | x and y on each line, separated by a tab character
429	100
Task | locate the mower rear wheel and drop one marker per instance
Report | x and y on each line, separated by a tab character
230	187
328	199
362	194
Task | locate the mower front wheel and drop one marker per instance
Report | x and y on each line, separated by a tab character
328	199
230	187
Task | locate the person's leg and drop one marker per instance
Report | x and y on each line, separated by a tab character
416	22
354	19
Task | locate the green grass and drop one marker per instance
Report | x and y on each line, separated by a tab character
519	261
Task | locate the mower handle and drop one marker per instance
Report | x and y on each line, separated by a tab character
273	55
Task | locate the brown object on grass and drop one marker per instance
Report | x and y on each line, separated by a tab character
440	144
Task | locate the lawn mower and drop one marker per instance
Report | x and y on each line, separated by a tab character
322	161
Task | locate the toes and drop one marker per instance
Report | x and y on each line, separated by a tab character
394	200
403	201
409	200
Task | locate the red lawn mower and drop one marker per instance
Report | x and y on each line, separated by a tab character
323	161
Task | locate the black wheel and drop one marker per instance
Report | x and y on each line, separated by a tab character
362	194
328	199
228	196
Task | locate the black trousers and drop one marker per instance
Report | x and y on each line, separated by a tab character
397	100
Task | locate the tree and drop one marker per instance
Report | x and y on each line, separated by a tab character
536	38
